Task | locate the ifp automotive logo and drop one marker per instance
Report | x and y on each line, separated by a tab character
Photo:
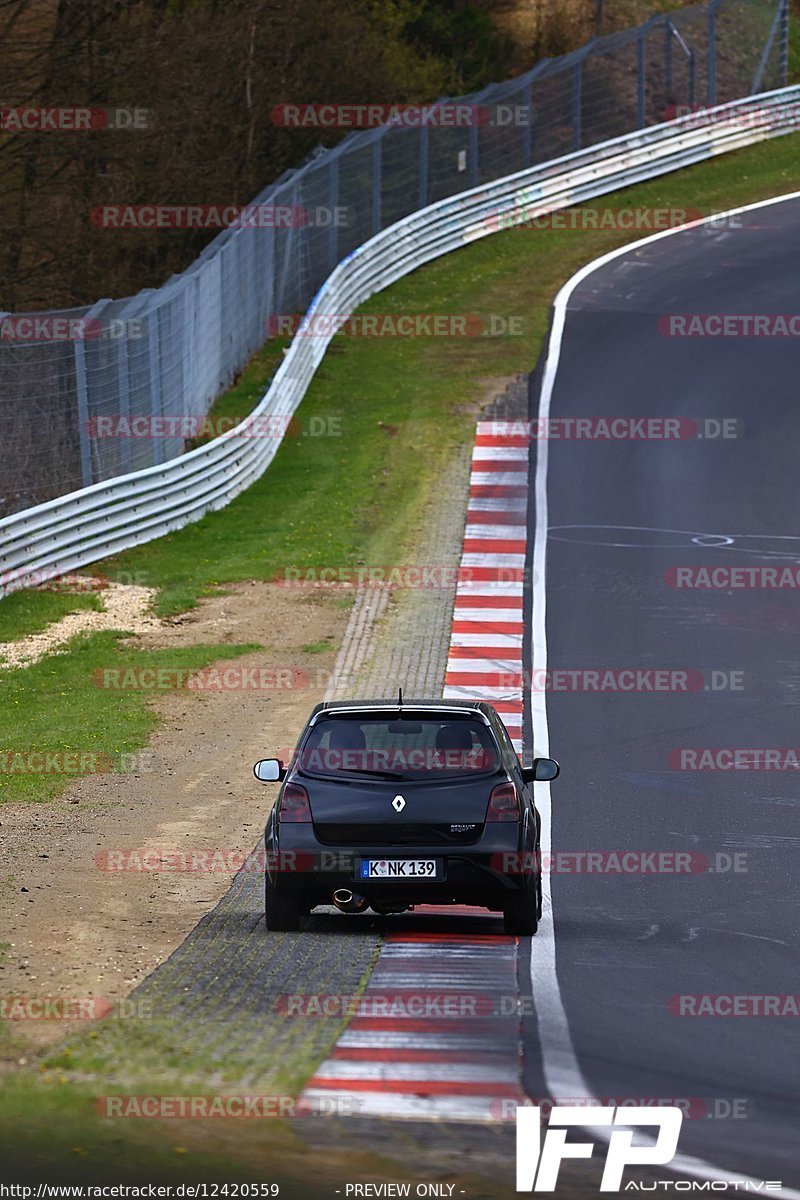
538	1162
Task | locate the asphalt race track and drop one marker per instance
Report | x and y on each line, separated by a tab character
621	518
622	515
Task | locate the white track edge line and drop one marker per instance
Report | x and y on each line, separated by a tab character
561	1069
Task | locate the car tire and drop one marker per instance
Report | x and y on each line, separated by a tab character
520	911
282	912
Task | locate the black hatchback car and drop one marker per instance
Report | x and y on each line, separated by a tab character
391	804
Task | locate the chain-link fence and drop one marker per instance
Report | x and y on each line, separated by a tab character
89	394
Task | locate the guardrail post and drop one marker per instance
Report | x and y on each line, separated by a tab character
577	90
640	105
376	184
82	396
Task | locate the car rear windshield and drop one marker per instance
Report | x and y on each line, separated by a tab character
410	748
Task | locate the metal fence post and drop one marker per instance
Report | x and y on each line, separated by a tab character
154	371
780	30
333	232
472	154
82	395
527	129
577	88
712	54
784	42
124	394
424	142
376	184
211	314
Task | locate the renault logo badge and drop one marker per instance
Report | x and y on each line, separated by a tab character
398	804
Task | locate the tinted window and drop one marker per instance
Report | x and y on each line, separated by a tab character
413	748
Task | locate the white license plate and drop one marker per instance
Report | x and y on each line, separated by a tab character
398	868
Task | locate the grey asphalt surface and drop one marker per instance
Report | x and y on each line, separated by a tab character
626	944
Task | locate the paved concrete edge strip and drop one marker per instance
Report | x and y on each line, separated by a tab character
437	1032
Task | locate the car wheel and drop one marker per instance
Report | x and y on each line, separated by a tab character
282	912
520	912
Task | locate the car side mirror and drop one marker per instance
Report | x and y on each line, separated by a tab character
542	771
269	770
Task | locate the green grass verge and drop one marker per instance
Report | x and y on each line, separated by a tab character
403	406
49	1132
81	1147
55	705
26	612
401	403
50	1127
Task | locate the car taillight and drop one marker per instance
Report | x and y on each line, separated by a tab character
503	803
294	804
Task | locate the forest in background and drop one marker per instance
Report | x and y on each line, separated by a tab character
209	73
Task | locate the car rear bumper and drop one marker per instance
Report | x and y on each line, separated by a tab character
483	874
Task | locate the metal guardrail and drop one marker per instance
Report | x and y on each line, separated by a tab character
84	526
161	358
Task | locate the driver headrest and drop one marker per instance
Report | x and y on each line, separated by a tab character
457	736
344	736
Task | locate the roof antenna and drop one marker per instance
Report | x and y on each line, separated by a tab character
400	697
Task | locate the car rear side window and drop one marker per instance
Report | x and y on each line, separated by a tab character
409	748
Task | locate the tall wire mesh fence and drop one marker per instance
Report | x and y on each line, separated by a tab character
88	394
